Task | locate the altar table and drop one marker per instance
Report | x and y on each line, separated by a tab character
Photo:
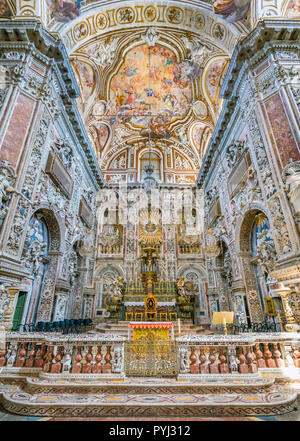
151	330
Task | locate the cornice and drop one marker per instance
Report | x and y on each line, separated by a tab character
30	35
32	32
268	34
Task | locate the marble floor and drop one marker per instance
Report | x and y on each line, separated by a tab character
291	416
148	399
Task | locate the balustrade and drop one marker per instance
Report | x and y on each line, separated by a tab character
236	354
72	355
104	354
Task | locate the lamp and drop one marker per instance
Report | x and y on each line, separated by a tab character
149	180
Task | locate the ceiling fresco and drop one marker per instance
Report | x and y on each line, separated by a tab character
152	70
293	10
153	85
200	134
214	78
151	80
86	79
64	11
67	10
5	11
231	10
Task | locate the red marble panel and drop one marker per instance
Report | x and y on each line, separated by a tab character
282	131
37	68
17	129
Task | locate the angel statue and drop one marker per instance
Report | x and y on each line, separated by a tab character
118	287
180	286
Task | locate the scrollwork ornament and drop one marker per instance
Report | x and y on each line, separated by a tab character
7	183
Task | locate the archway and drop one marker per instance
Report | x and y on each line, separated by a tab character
42	305
41	255
245	238
105	279
198	278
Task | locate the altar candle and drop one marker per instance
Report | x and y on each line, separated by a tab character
179	329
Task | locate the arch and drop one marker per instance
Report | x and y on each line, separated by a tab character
100	270
55	226
244	225
243	241
110	272
196	275
202	16
41	304
144	151
190	267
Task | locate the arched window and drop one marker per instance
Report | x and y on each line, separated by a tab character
200	307
155	162
105	289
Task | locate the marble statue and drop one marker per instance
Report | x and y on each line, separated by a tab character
292	182
6	188
180	286
117	288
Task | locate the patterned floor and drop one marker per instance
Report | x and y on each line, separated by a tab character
292	416
109	398
276	396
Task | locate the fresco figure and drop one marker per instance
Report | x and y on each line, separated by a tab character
165	88
293	10
64	10
4	9
231	10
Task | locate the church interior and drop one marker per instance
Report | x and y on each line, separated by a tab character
149	208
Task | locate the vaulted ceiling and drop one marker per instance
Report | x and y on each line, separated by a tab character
150	71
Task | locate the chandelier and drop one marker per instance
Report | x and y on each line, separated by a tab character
149	180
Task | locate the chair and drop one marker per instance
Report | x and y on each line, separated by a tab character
80	323
56	326
173	316
138	316
150	316
49	326
41	326
236	329
65	326
71	325
129	316
163	316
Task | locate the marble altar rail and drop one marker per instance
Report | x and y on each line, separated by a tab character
241	354
103	354
59	354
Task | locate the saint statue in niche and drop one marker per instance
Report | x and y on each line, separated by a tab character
117	288
180	286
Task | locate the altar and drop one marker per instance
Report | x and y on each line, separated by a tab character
151	331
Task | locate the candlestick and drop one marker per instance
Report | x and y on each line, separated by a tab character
179	328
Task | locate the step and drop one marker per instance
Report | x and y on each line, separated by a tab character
124	402
93	383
